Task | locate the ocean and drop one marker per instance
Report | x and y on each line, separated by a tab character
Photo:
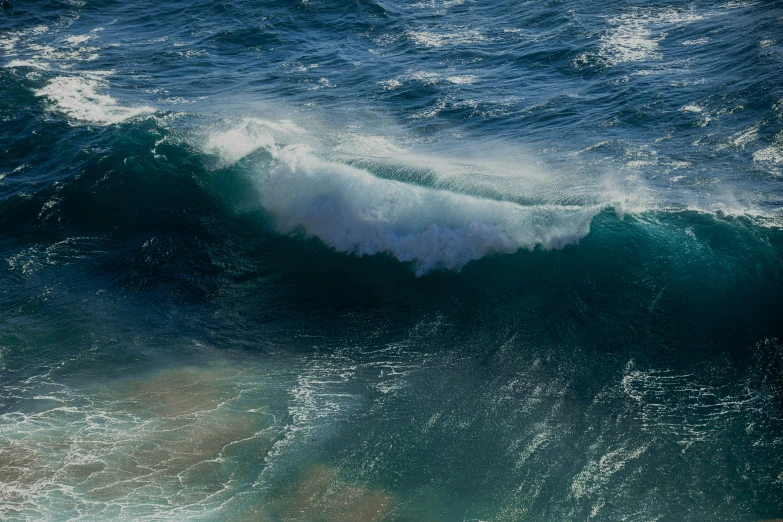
399	260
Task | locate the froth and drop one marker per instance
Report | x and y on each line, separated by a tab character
628	41
433	39
635	36
353	211
78	98
232	144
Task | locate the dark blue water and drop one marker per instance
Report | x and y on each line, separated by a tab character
390	260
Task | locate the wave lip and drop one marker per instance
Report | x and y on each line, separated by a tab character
353	211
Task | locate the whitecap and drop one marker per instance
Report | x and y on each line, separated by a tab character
697	41
27	63
234	144
465	79
78	39
692	108
635	36
369	146
79	99
390	85
9	43
436	39
768	155
353	211
628	41
424	77
232	141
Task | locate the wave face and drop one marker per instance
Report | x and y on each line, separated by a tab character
391	261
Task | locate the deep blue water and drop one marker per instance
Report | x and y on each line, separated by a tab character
391	260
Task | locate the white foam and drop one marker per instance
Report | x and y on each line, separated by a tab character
37	30
745	137
78	98
250	134
770	155
233	145
598	472
424	77
675	16
429	112
630	40
7	44
433	39
390	85
369	146
70	53
353	211
634	36
439	6
493	170
78	39
465	79
692	108
27	63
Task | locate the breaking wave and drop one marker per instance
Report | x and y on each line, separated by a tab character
353	211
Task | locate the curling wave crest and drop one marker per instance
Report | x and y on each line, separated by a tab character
351	210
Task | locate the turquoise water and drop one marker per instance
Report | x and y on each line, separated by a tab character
389	260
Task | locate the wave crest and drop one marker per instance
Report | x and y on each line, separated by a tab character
353	211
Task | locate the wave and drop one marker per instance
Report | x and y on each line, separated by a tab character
368	196
352	210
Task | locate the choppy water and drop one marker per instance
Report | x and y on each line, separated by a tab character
391	260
